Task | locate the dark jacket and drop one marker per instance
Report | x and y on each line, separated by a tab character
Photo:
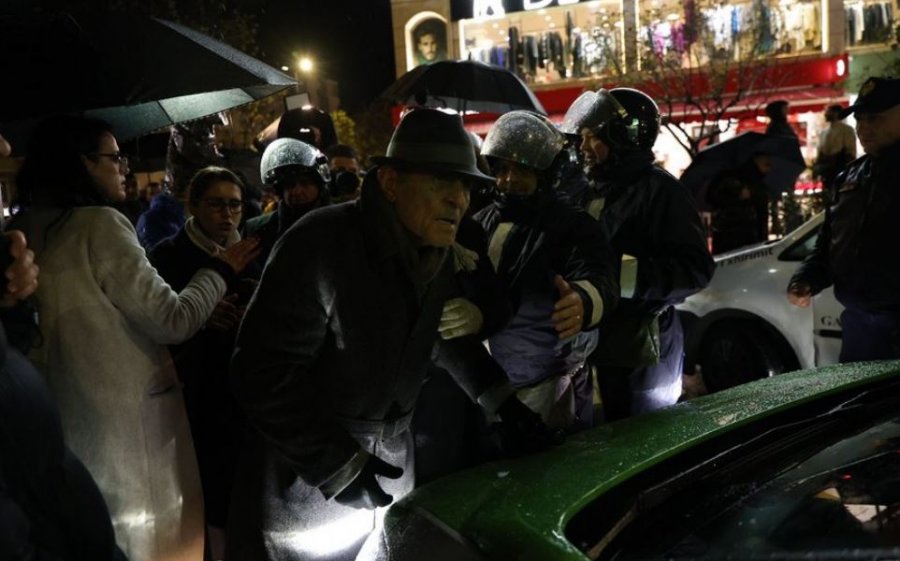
340	330
737	221
650	215
856	250
780	127
50	507
205	357
548	237
162	220
202	362
269	227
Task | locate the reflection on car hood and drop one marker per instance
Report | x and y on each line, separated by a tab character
520	507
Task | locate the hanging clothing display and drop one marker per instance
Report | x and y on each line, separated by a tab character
868	22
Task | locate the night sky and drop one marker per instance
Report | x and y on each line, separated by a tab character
350	40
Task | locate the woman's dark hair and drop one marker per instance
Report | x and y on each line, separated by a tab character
206	177
53	173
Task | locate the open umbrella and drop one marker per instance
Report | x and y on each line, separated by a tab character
784	151
463	85
136	72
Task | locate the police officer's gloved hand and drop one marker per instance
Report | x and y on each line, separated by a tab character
522	431
364	491
460	317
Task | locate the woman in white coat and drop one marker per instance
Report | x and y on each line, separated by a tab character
106	316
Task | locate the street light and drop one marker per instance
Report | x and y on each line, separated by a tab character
305	64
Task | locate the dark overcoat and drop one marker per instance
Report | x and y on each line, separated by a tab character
330	360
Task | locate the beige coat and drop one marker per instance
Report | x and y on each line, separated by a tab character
106	317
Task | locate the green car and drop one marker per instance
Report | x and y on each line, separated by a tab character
799	466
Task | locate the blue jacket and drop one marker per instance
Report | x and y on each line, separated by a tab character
547	237
162	220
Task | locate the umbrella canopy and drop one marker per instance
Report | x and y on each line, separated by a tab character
463	85
136	72
787	161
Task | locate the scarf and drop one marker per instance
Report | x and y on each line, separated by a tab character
202	241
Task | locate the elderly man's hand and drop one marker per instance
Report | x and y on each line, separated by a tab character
22	274
568	310
800	294
364	492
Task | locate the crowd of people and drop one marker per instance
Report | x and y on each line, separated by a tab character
218	386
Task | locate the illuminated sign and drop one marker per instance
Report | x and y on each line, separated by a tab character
497	8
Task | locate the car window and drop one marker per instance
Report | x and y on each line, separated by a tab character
826	492
801	248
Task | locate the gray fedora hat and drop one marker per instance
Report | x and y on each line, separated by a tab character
432	141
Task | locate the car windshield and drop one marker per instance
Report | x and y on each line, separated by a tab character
828	488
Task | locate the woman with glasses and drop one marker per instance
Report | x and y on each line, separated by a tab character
216	203
106	316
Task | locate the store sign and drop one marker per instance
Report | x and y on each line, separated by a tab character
497	8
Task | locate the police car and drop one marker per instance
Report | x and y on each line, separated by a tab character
742	327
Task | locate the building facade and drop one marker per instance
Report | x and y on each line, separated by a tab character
686	52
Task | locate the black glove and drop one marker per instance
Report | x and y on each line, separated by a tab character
364	491
522	431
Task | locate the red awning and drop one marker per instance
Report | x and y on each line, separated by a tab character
801	101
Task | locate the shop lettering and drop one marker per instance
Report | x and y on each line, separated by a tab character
495	8
538	4
488	8
749	256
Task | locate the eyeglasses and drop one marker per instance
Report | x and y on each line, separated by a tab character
233	206
117	157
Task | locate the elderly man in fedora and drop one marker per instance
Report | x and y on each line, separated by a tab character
334	347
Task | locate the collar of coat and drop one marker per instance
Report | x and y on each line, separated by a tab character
201	240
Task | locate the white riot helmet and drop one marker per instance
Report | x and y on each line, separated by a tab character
526	138
286	153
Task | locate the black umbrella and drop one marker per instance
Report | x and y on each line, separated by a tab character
787	161
136	72
463	85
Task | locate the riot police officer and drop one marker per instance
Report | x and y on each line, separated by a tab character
556	266
300	175
652	223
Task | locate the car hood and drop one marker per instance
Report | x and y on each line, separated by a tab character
519	508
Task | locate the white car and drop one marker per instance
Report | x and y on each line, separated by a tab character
742	327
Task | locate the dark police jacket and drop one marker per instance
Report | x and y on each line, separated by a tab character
269	227
546	237
857	249
341	329
651	216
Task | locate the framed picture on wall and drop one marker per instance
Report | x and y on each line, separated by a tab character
428	41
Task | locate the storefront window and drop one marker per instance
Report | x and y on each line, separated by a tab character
553	44
694	32
869	22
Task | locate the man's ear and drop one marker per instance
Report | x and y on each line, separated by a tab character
387	180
